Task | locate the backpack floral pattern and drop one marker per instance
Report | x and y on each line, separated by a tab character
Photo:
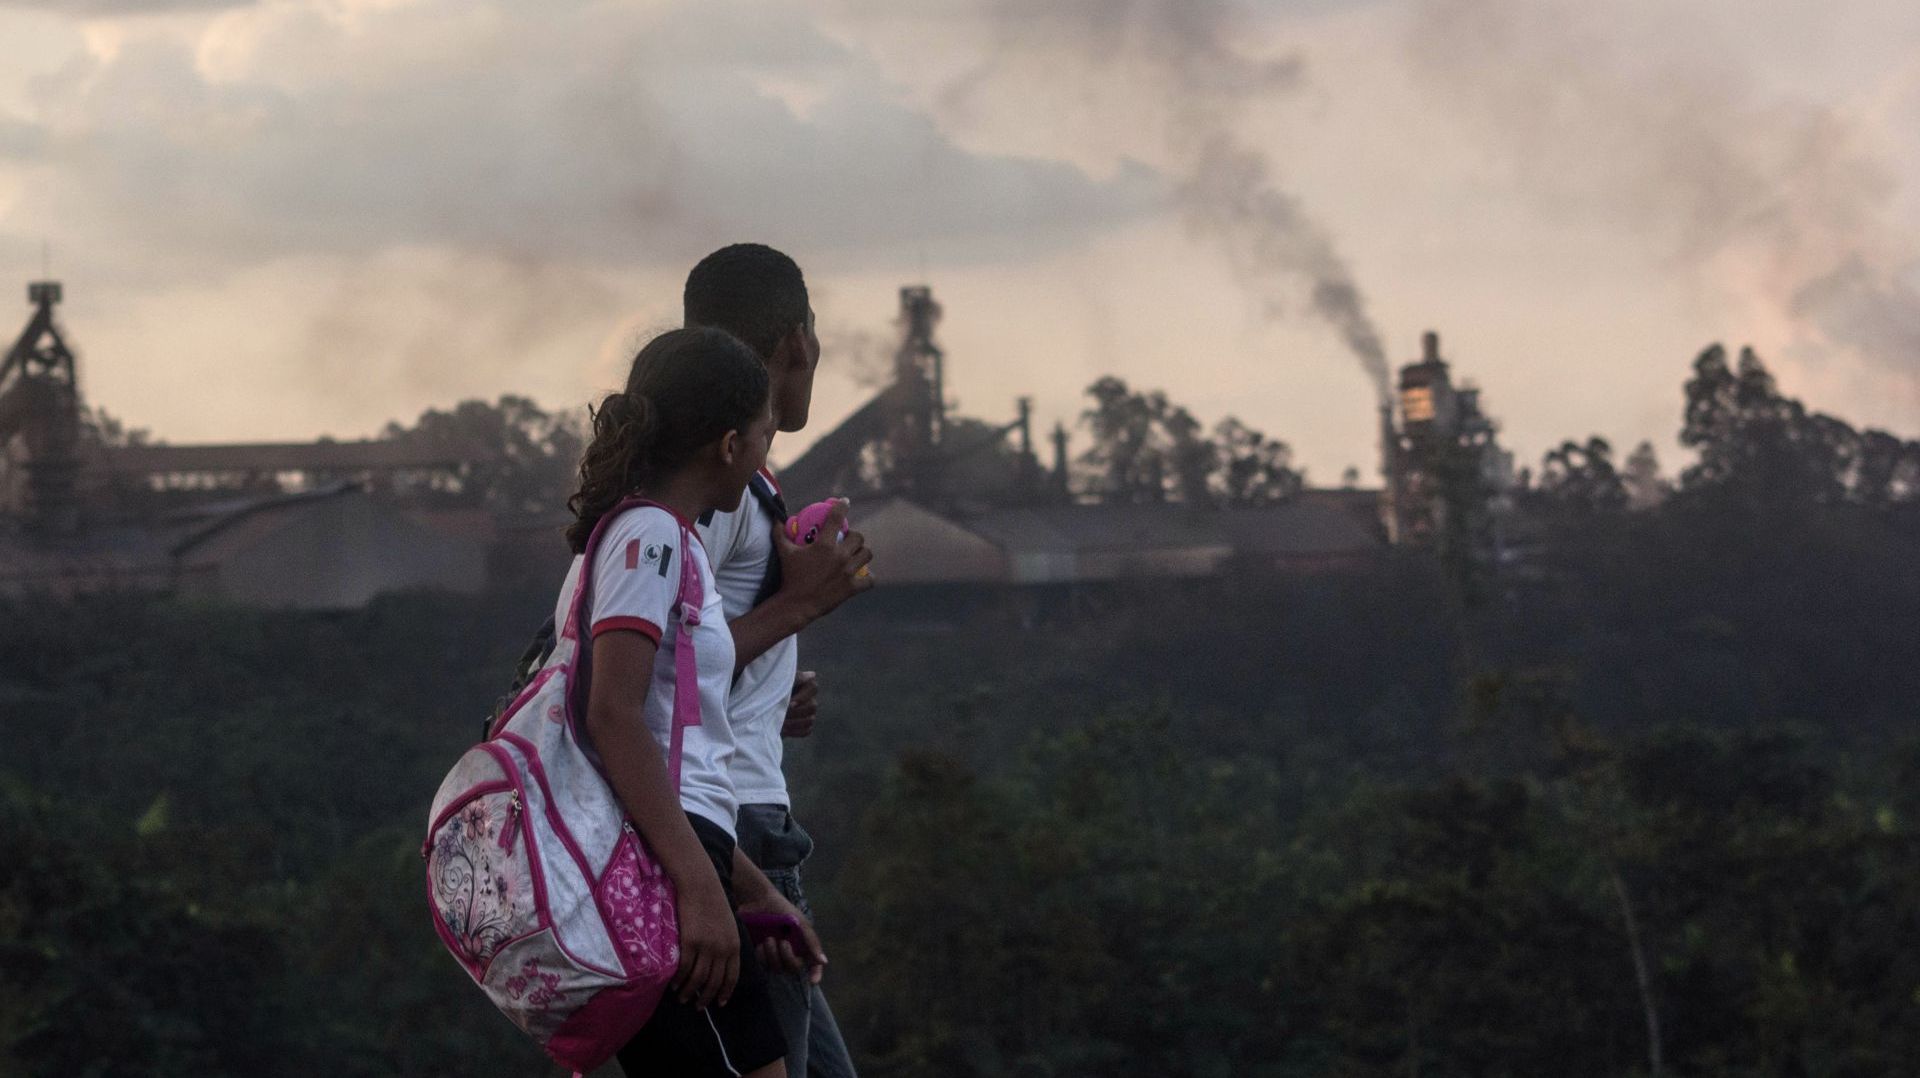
636	899
482	882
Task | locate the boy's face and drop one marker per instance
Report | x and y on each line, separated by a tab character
794	386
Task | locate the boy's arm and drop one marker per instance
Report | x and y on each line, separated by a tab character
814	579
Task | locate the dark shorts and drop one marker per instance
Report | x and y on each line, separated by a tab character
739	1038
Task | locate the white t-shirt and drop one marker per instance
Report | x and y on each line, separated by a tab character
741	546
636	580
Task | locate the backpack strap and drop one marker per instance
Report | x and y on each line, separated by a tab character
776	507
533	659
686	665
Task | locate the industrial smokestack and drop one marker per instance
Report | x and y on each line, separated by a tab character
1390	472
1060	459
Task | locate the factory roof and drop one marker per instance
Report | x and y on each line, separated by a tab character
1085	543
267	457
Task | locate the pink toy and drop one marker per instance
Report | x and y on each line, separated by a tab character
804	527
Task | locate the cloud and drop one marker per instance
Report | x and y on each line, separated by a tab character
19	140
360	207
110	8
526	130
1788	203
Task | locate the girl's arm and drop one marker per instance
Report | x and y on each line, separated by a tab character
637	770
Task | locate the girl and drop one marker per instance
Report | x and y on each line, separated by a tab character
692	425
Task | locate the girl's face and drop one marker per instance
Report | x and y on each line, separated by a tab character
749	453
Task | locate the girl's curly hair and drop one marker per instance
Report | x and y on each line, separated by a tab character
686	389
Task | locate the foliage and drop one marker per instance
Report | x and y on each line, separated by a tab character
1651	810
1761	447
517	457
1581	480
1148	449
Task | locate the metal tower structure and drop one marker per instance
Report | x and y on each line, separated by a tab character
920	384
40	411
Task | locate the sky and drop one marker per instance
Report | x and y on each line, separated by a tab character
284	219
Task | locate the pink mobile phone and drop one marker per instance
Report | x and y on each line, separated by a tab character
776	926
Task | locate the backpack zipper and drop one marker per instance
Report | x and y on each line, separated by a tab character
512	828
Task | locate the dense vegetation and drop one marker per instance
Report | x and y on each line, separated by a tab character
1648	804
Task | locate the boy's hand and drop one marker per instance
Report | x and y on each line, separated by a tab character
821	575
803	706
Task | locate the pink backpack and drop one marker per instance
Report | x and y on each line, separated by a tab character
536	881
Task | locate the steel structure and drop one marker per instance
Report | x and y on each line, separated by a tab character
40	419
904	441
1447	478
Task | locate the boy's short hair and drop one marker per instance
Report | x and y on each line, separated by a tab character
750	290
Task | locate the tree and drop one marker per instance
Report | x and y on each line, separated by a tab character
1254	469
1147	449
1127	456
1581	480
1767	450
517	457
1191	458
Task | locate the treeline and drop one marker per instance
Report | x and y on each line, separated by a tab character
1647	804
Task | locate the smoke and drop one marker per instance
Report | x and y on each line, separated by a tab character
1271	242
1786	205
1874	313
864	356
1185	56
433	325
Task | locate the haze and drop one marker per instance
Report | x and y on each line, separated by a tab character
305	217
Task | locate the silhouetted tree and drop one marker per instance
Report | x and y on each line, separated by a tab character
519	457
1148	449
1254	469
1581	479
1127	458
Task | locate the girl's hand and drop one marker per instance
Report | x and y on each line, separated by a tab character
709	940
777	954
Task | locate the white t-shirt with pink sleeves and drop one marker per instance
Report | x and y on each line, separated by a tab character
636	579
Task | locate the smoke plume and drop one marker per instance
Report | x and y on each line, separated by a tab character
1184	54
1231	198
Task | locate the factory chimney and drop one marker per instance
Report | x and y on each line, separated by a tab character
920	396
1390	492
1060	487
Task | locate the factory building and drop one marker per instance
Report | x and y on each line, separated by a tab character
298	525
949	501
